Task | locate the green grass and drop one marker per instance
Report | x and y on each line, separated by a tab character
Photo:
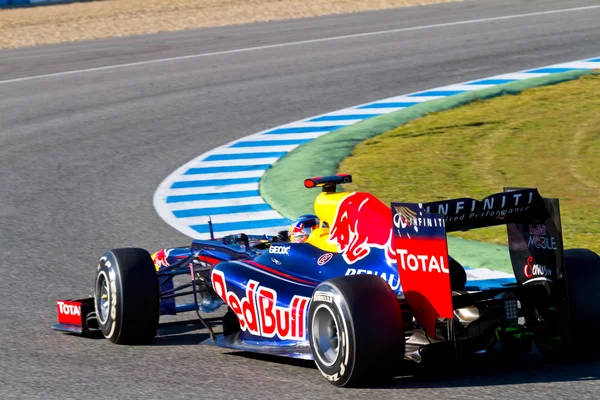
547	137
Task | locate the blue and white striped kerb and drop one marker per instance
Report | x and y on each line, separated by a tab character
224	183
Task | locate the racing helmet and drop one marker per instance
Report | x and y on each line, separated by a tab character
302	227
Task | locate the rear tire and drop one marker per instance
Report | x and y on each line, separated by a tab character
126	296
356	331
577	325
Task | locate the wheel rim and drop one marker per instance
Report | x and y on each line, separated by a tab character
102	298
325	335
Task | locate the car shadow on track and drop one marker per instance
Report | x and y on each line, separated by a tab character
275	359
493	370
181	333
490	369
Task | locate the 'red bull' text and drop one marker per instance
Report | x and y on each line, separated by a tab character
258	312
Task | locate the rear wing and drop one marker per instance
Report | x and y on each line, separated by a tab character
534	238
533	226
502	208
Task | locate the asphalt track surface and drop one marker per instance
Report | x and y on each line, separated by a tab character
81	155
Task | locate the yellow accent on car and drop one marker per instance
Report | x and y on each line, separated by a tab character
326	205
153	256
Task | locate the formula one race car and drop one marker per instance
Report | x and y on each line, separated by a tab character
371	289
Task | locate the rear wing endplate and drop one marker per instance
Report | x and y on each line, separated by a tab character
422	256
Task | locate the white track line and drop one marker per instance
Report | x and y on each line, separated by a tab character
296	43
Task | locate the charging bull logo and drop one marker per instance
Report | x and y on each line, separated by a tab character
161	258
361	223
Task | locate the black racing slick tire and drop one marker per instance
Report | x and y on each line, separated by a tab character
127	297
577	325
356	331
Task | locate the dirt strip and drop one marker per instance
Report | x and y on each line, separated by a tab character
100	19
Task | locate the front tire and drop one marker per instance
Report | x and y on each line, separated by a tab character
126	296
356	331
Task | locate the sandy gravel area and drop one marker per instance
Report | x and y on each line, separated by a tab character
100	19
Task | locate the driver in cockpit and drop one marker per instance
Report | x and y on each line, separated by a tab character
302	227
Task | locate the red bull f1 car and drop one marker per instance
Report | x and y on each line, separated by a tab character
372	288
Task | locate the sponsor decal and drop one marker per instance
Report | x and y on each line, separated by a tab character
533	270
282	250
324	259
323	296
487	211
500	201
542	242
160	258
112	295
539	239
258	312
362	222
69	308
404	218
422	262
391	279
275	261
69	312
538	230
112	276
